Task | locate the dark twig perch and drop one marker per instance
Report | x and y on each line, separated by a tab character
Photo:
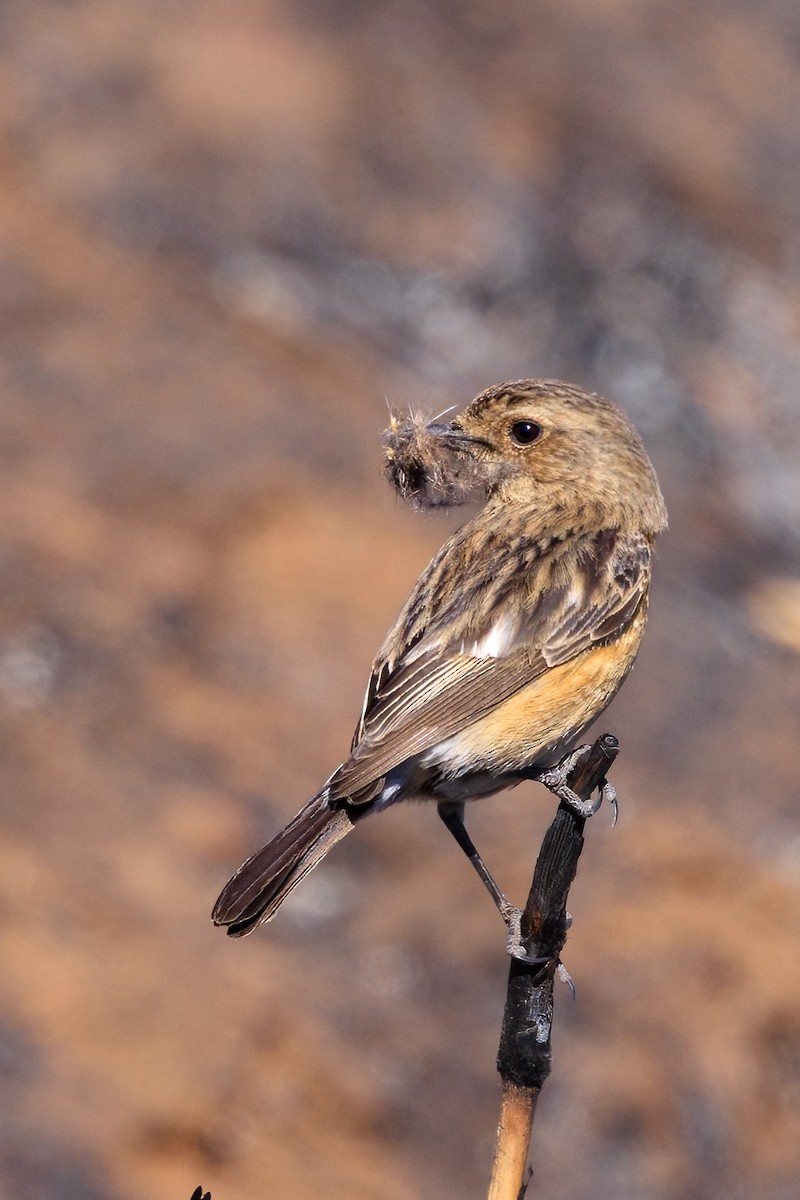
524	1055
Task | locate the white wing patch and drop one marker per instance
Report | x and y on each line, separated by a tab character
496	641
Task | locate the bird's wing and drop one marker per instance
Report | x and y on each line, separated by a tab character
440	685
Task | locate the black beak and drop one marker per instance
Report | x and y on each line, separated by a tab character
455	436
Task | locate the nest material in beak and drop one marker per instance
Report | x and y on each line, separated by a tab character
429	465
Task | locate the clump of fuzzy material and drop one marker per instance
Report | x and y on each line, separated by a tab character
426	469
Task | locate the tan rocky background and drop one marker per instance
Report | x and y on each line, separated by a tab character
228	234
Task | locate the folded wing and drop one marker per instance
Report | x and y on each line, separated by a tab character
570	600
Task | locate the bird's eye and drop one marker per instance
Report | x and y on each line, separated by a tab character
525	432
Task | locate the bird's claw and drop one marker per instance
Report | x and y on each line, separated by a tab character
514	943
609	793
555	780
565	977
516	947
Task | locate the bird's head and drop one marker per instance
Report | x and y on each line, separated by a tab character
537	442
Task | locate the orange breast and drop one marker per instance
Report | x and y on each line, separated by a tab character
540	722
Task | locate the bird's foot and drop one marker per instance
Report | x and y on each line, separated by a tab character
516	947
555	780
514	942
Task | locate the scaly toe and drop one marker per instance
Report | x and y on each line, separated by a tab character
514	943
555	780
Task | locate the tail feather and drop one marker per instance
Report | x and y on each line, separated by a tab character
257	890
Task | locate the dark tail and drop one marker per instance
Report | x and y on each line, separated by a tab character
257	890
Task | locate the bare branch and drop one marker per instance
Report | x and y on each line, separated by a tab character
524	1054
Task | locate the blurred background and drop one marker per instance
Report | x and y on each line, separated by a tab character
229	235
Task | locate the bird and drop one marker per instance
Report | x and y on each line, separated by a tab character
514	639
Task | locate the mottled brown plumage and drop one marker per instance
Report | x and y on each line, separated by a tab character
515	637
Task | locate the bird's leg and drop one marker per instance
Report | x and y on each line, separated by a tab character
453	817
555	780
